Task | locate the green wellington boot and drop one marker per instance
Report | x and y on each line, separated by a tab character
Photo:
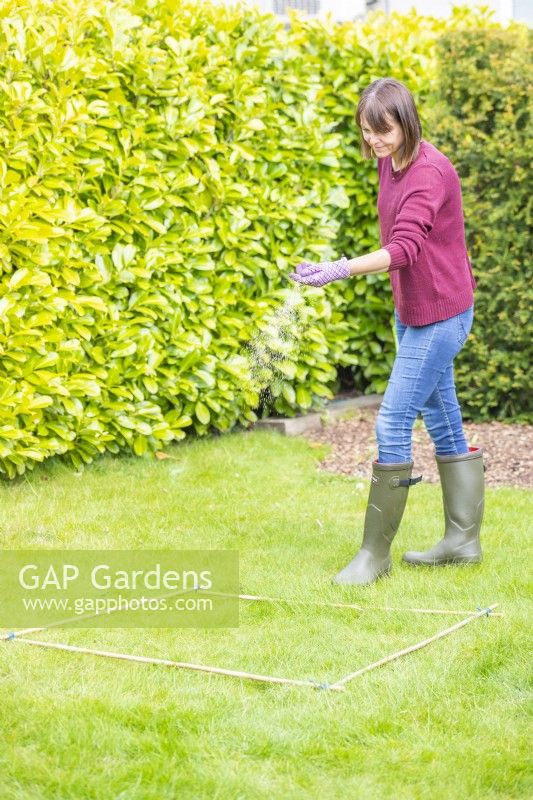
463	492
386	503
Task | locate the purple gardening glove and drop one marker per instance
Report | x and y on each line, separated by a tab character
321	273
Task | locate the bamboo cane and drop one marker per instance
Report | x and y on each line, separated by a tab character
13	635
351	605
77	618
412	648
180	664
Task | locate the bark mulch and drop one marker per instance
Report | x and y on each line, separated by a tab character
508	449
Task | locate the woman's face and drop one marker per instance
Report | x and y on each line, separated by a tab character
383	144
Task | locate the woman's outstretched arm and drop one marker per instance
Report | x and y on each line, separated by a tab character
377	261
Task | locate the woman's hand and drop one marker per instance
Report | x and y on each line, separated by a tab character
321	273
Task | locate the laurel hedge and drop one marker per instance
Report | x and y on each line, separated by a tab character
164	166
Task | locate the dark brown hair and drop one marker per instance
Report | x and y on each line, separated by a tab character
387	99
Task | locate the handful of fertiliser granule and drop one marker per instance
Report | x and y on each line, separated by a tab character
273	350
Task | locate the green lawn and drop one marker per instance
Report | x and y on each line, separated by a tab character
446	722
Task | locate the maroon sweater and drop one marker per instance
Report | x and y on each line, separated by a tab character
422	227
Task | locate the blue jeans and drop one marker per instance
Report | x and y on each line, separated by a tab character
422	382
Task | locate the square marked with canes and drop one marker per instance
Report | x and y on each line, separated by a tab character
338	685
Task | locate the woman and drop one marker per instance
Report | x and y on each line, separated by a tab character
424	250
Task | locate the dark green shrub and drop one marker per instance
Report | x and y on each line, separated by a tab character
481	120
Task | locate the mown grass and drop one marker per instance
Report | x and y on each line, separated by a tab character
449	721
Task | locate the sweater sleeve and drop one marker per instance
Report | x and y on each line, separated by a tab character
415	216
